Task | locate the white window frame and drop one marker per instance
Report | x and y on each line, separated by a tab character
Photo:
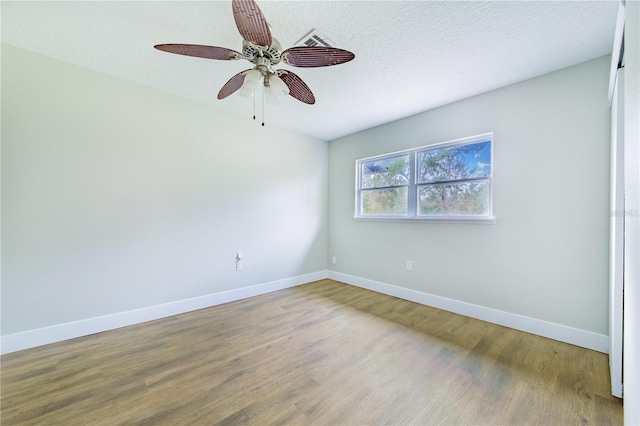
412	188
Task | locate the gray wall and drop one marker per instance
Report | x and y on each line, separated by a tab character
116	196
546	256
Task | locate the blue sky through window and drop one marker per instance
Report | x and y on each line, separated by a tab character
479	163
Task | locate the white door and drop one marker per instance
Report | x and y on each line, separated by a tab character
616	236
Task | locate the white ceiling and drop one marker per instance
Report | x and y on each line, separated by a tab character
411	56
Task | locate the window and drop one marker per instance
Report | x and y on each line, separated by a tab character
447	181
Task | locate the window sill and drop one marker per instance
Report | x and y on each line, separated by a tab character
443	219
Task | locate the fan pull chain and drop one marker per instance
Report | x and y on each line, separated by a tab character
263	105
254	105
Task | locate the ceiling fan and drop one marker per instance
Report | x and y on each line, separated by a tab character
265	52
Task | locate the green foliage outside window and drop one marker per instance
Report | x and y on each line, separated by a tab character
392	174
467	189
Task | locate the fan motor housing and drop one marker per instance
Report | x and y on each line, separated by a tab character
252	52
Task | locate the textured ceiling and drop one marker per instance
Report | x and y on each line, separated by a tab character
411	56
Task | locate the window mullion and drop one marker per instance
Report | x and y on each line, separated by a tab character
441	182
383	187
412	195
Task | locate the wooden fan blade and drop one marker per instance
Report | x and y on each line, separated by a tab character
251	23
209	52
316	56
232	85
297	88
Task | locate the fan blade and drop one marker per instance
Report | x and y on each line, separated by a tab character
251	23
316	56
209	52
232	85
297	88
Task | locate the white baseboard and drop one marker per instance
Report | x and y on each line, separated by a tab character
574	336
56	333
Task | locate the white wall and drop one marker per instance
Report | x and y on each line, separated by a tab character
117	197
546	257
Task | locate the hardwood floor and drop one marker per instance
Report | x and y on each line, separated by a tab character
323	353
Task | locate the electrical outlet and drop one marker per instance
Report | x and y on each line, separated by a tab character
408	265
334	260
